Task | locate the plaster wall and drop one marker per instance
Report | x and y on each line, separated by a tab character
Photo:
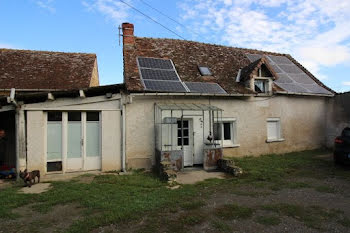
302	122
338	116
110	130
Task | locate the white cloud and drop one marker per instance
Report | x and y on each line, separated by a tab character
47	5
315	32
346	83
114	10
6	46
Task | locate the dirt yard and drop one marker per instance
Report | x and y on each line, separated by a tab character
296	192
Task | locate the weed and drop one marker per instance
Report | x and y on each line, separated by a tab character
220	226
268	220
232	211
325	189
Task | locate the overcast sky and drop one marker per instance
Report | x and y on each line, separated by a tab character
315	32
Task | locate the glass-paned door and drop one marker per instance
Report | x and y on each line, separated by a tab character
54	141
74	141
93	141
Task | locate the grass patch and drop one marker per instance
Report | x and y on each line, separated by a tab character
325	189
268	220
345	222
232	211
312	216
192	205
220	226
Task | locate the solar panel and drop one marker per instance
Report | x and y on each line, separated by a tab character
155	63
290	77
253	57
159	74
171	86
199	87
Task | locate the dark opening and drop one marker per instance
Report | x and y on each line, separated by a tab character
7	145
54	166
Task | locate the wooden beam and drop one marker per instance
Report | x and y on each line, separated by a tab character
82	94
50	96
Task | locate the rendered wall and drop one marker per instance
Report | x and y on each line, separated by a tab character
302	121
338	116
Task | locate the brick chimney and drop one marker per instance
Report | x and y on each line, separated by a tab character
128	34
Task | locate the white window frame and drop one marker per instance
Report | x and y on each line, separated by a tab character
279	130
233	142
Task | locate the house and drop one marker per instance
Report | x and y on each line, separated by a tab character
250	102
184	102
33	71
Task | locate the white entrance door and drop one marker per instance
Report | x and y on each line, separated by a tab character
74	142
185	139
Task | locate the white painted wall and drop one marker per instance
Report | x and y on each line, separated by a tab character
302	122
110	129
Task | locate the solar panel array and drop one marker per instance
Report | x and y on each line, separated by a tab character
160	75
200	87
290	77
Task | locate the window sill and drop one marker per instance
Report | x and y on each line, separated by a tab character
231	146
274	140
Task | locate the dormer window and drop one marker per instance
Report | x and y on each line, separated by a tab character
205	71
261	85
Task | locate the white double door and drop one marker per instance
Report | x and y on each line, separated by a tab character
83	141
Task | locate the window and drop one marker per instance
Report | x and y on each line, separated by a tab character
274	130
205	71
261	85
225	131
185	129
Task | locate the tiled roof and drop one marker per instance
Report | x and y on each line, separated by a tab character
26	69
223	61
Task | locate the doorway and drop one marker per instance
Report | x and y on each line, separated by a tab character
7	144
185	139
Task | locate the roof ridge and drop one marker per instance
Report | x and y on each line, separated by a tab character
219	45
46	51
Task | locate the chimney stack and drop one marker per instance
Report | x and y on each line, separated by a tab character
128	34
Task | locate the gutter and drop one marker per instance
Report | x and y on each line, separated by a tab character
191	94
305	94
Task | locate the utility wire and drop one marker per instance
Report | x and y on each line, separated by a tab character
182	25
149	17
165	15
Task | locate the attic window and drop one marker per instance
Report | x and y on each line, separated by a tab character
261	85
205	71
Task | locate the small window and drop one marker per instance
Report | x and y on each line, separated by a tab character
74	116
92	116
261	85
205	71
54	116
185	129
273	130
225	131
